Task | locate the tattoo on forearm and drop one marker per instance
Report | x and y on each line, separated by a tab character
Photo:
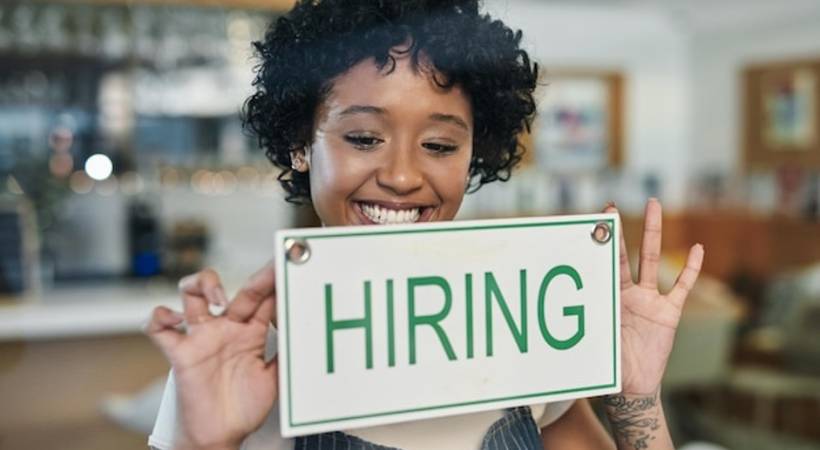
634	420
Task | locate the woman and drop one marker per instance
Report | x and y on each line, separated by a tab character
378	112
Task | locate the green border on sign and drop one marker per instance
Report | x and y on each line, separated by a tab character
475	402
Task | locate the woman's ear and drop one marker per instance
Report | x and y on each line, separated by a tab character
299	160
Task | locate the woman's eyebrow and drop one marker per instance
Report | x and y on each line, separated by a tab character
439	117
360	109
449	118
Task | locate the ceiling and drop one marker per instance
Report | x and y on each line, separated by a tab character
694	15
715	15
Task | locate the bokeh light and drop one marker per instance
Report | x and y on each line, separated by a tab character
99	167
80	182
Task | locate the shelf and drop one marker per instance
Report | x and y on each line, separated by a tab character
82	312
272	5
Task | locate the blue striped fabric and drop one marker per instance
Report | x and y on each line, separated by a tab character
515	431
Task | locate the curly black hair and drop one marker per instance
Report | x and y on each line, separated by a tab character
318	40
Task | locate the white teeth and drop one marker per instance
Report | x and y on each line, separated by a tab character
382	215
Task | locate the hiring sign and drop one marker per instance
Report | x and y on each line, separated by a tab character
382	324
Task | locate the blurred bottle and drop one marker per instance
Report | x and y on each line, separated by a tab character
187	248
145	238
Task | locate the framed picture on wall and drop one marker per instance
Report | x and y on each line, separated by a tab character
579	127
782	114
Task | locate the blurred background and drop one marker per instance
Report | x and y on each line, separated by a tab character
123	166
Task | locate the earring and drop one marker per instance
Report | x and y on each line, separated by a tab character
297	161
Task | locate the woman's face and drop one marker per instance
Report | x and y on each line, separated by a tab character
389	148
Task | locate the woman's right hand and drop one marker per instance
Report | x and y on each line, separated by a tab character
225	389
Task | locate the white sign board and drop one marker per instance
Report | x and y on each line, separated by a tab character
382	324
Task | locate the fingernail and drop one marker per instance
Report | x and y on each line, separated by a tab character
218	296
222	297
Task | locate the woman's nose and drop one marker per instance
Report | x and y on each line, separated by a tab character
400	173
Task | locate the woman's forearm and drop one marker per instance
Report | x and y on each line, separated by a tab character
638	422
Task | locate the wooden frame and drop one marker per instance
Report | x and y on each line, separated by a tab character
545	156
781	104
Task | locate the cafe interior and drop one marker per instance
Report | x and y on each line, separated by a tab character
124	166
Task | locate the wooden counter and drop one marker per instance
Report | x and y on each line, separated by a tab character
52	390
63	352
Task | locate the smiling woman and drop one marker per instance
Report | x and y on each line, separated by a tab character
384	112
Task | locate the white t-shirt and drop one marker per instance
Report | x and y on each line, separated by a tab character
462	432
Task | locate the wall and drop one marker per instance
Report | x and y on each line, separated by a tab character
719	58
94	236
242	225
652	51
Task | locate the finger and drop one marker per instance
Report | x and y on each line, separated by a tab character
623	257
259	287
205	283
197	291
161	328
650	245
688	276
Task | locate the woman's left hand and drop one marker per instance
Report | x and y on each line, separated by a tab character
648	318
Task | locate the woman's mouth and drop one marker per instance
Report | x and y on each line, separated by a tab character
382	214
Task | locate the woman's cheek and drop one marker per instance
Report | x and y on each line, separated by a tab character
450	181
335	176
346	171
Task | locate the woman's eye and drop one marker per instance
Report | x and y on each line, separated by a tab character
440	148
362	141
